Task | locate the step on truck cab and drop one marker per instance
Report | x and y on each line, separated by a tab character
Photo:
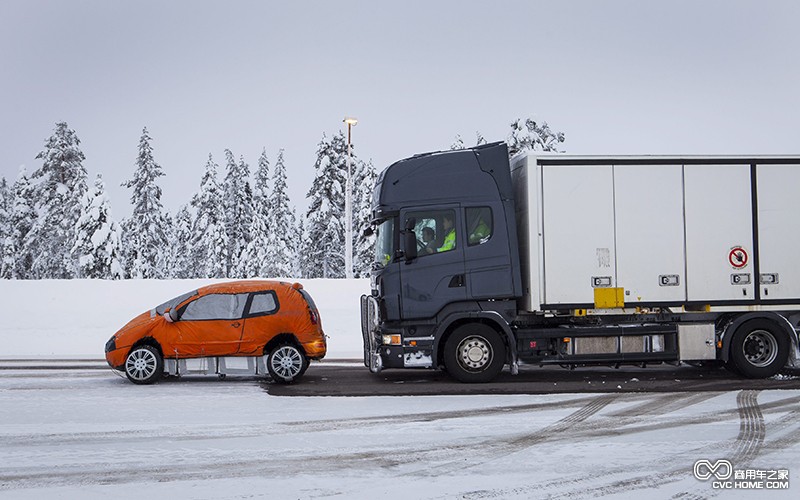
583	260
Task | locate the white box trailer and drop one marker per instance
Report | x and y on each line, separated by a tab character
685	232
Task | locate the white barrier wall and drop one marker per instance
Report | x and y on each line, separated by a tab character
75	318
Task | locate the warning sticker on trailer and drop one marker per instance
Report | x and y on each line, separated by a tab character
738	257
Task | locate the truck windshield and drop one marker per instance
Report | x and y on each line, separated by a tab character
384	242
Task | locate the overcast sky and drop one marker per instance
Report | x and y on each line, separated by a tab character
670	77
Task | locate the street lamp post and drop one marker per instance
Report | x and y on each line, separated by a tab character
348	205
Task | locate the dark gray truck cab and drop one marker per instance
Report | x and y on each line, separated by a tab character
422	290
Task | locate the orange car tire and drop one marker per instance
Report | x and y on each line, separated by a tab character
286	363
144	365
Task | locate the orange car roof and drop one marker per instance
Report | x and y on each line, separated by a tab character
246	286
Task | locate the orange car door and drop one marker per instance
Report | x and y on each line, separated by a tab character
261	323
211	325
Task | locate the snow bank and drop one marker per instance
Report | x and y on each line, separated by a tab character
75	318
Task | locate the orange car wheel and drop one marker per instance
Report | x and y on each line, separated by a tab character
286	363
144	365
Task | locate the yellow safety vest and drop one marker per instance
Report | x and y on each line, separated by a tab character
449	242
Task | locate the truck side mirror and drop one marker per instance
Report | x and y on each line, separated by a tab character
410	240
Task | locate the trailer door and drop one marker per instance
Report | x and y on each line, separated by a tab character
578	233
648	201
779	239
719	233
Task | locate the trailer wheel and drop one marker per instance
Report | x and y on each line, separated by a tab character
144	365
474	353
759	349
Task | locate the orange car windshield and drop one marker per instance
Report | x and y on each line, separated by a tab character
170	304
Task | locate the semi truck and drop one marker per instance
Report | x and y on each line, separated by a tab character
555	259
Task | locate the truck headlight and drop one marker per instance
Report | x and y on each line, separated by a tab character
393	339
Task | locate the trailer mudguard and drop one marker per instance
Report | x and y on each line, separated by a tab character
779	320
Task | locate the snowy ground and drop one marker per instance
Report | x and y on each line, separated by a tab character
89	434
92	435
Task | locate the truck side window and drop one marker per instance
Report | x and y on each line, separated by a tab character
479	225
435	231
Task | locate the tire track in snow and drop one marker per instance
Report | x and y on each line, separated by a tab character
745	447
444	415
492	450
751	428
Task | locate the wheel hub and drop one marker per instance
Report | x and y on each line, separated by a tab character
760	348
474	353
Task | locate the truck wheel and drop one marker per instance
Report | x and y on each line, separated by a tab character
759	349
474	353
286	363
144	365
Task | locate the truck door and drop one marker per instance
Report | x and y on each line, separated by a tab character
487	258
436	277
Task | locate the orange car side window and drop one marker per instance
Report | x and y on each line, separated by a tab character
215	306
263	303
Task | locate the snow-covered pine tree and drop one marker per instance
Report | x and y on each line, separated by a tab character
253	259
363	246
479	140
458	143
58	187
182	267
97	242
323	249
528	135
238	203
209	241
145	233
6	206
17	260
283	238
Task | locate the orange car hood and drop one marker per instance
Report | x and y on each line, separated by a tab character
142	319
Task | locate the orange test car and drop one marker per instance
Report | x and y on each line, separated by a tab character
273	323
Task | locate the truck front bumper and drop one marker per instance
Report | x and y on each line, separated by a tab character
378	355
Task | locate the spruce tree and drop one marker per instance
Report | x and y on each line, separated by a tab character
209	240
323	245
6	206
283	239
458	143
363	245
238	203
528	135
181	251
145	233
97	242
253	260
18	260
58	187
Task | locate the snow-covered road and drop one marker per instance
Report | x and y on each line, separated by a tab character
90	434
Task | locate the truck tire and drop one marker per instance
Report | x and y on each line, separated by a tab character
759	349
474	353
